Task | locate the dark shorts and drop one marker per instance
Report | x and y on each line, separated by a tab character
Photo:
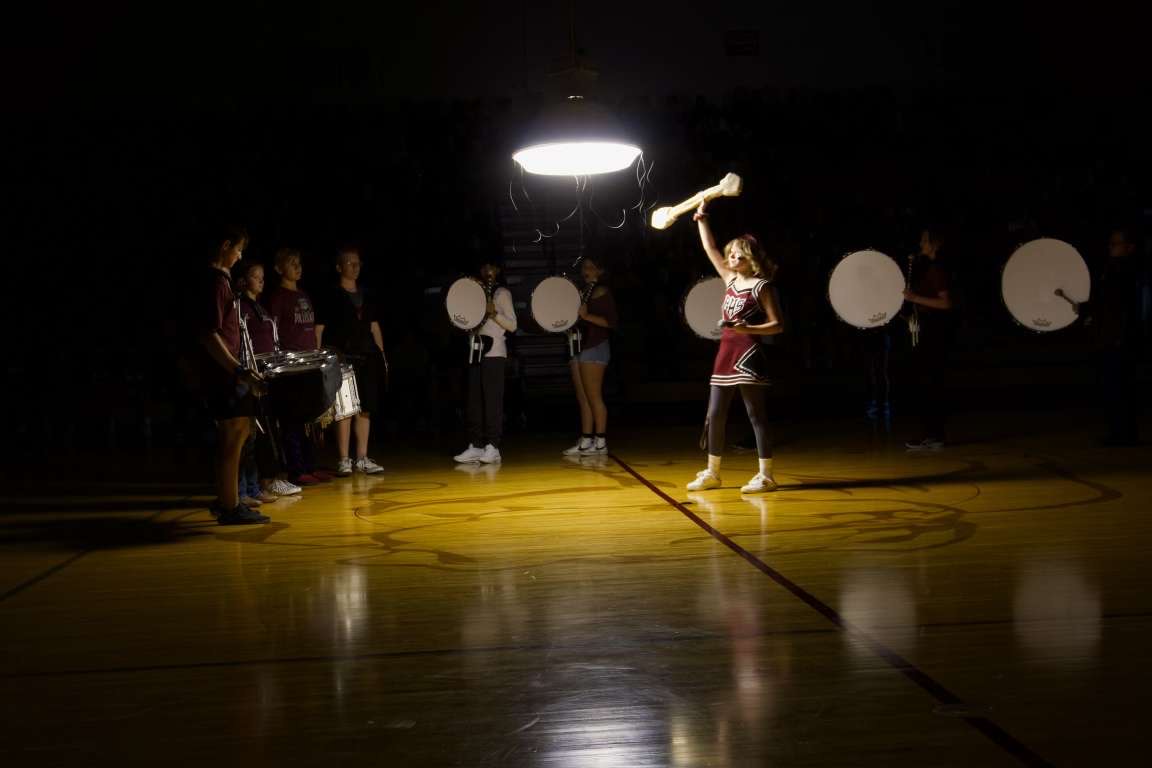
369	375
225	402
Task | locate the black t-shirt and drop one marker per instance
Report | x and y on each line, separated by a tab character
347	318
930	279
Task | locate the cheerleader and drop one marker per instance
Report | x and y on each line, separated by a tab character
749	311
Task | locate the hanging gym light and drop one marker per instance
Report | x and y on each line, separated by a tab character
576	138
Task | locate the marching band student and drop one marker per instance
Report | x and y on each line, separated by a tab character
932	303
259	469
597	319
486	375
749	311
229	389
295	316
347	323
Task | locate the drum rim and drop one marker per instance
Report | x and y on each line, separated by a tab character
1004	302
828	290
684	302
532	308
449	288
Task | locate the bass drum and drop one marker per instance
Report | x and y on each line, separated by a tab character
866	289
1031	278
556	304
467	303
302	385
702	308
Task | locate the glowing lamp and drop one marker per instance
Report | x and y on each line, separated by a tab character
578	138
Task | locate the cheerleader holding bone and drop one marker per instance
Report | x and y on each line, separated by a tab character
741	365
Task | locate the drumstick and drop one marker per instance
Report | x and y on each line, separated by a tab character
730	186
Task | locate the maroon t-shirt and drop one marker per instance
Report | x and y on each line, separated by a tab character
603	306
219	311
259	324
295	318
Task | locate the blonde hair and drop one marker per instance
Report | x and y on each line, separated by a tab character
749	247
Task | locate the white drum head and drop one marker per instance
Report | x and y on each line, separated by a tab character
556	304
467	303
703	308
866	289
1033	274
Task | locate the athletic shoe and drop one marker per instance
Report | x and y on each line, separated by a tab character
704	481
250	502
241	515
344	468
598	448
321	475
490	455
283	488
267	498
927	444
368	467
305	480
761	483
472	454
579	448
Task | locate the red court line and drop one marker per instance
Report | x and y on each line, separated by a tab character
996	734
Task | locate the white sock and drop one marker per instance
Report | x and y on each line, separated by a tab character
585	441
714	464
766	467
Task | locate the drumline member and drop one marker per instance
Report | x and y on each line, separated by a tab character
295	316
1116	314
347	323
229	388
486	375
749	311
260	468
597	319
932	308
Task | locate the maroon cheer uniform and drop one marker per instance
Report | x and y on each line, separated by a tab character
741	358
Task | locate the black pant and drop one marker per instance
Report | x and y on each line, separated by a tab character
1119	391
486	402
929	362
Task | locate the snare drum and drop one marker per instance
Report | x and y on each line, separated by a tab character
301	385
556	304
347	402
866	289
702	308
1031	277
467	304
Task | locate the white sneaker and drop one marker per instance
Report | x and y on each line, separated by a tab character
761	483
598	448
344	468
368	467
467	457
283	488
490	455
579	448
704	481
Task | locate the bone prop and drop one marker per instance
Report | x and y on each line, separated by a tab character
730	186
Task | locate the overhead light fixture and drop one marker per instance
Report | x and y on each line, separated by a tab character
576	138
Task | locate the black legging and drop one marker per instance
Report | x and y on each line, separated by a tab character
755	402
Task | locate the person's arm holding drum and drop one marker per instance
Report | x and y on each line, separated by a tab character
605	315
940	301
503	312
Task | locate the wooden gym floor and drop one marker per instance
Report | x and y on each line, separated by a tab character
988	605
